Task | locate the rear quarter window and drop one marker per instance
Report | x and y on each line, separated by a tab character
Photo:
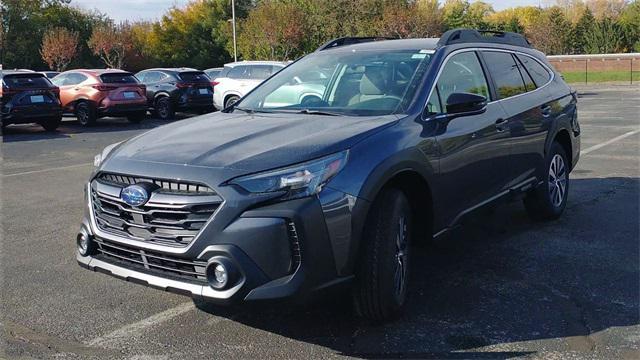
538	73
118	78
26	81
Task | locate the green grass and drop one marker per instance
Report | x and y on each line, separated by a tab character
601	76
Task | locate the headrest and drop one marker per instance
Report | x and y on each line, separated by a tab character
374	81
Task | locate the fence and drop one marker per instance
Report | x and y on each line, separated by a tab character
615	68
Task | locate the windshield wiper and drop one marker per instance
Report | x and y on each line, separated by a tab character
318	112
250	111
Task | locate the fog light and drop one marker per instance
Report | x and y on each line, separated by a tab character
221	275
85	246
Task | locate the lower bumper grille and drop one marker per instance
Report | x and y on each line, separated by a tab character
152	262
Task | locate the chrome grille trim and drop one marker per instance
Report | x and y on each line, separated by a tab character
172	220
170	186
154	262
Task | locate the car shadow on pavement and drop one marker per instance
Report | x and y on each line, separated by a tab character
497	282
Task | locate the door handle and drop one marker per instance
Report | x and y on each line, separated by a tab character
501	124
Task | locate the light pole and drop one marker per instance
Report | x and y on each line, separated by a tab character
233	24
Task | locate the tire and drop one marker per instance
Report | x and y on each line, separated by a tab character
164	108
231	100
51	124
380	288
547	201
85	113
137	117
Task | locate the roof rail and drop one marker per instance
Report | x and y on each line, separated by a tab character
350	41
460	36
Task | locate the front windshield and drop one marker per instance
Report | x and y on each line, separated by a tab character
349	82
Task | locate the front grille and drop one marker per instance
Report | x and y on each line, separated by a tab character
168	219
151	262
165	185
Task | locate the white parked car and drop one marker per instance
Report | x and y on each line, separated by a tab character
238	78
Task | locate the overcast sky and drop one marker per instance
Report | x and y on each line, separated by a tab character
153	9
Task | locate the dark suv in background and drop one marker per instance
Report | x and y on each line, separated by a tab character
180	89
271	199
29	97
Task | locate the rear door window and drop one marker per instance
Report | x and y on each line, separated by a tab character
239	72
75	79
505	74
538	73
118	78
261	72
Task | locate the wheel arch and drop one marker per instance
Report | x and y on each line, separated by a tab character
410	176
563	138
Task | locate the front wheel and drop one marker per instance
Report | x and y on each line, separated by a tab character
230	101
547	201
382	274
164	109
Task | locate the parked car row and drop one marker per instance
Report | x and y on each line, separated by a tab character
90	94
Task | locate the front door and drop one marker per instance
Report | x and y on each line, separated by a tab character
474	150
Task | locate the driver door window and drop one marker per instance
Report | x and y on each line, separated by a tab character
462	73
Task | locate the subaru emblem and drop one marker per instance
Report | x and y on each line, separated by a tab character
134	195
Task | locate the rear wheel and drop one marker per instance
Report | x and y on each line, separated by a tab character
137	117
231	100
51	124
164	108
380	289
85	113
547	201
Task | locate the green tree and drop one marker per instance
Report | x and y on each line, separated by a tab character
606	36
577	38
630	22
454	13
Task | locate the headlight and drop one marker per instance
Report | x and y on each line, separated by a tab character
297	181
98	159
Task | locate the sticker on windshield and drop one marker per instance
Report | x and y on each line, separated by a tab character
418	56
426	51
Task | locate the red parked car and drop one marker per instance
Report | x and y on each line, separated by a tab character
92	94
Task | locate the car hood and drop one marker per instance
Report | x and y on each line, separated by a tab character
249	142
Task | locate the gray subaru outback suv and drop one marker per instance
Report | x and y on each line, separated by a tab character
395	143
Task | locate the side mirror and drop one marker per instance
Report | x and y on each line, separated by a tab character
459	104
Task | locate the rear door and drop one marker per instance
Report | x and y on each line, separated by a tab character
474	152
527	114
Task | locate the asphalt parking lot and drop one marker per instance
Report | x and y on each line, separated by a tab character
500	287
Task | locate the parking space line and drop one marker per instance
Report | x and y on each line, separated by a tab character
127	331
608	142
45	170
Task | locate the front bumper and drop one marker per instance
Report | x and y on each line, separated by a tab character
257	241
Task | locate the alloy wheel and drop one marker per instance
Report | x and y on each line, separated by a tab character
401	257
557	180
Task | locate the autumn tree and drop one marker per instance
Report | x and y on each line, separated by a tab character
272	31
111	43
59	48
